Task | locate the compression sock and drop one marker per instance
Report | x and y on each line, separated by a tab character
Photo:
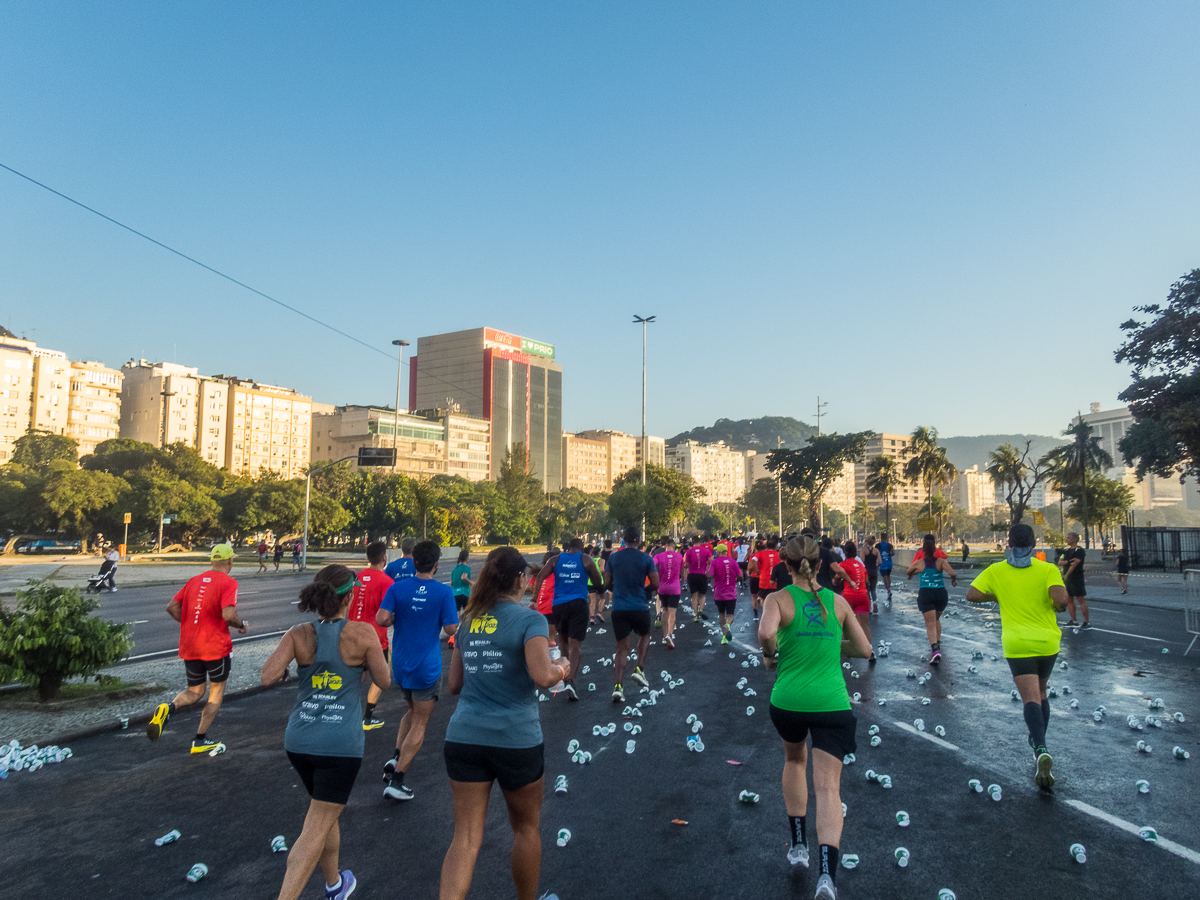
1036	725
1046	713
829	861
199	738
799	835
936	645
369	711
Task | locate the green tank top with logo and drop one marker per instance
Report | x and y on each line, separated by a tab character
809	677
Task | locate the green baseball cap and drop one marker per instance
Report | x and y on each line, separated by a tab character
221	551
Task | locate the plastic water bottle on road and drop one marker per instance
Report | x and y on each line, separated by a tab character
564	836
994	792
902	819
196	872
1143	786
168	838
901	855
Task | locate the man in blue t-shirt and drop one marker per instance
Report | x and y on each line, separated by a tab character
628	574
886	551
399	569
420	608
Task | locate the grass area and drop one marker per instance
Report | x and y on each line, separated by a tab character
73	691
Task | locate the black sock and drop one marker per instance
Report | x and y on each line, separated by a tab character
799	836
399	777
1046	713
171	708
370	711
829	861
936	645
1036	724
199	737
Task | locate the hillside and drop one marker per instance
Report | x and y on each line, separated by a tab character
751	434
965	452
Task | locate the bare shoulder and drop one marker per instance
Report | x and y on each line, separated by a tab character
360	632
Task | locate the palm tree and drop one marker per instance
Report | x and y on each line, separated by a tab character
862	512
927	463
1084	453
884	479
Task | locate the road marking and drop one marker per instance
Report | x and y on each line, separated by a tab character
951	636
1141	636
1167	844
139	622
929	737
237	640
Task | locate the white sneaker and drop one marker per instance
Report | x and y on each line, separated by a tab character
398	792
825	889
798	855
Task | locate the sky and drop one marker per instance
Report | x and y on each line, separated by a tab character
924	213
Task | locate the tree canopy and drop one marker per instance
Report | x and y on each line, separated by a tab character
812	469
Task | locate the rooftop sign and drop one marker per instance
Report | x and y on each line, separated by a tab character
502	340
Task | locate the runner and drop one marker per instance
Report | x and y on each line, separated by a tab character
572	569
625	575
420	608
804	631
725	575
1123	570
1029	591
697	560
369	589
932	595
402	567
752	575
855	591
886	551
761	564
743	560
323	740
870	559
501	659
262	557
1072	561
670	566
460	583
595	590
205	608
278	554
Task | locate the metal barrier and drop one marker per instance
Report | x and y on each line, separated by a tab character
1191	606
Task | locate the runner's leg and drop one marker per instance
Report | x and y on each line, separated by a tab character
620	660
862	620
643	649
524	815
1083	607
312	845
795	781
470	816
418	715
932	631
216	693
574	651
827	777
188	696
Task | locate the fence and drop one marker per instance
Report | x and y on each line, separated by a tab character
1162	548
1191	606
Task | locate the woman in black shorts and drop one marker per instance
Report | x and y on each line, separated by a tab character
932	595
324	737
501	655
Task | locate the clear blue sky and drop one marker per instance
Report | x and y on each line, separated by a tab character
927	213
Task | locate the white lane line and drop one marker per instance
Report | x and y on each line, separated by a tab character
1140	636
1167	844
952	637
237	640
139	622
929	737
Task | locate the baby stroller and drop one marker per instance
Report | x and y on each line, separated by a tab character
107	573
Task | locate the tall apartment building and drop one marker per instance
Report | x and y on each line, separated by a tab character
974	491
756	468
656	450
895	445
1152	492
512	382
585	464
715	467
94	405
428	443
16	390
620	451
841	493
51	390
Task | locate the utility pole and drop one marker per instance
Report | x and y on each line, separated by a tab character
400	345
779	485
643	322
820	506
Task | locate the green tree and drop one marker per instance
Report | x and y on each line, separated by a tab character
1102	502
74	496
23	508
1082	455
1164	352
679	492
761	503
52	636
814	468
927	463
37	449
863	514
631	501
884	478
1017	473
423	496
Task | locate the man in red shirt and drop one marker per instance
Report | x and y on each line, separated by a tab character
761	564
372	584
205	608
262	557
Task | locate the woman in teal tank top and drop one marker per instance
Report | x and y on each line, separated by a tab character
805	629
324	737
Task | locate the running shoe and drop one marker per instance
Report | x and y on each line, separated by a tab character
658	621
874	659
935	657
875	608
450	642
345	889
569	690
669	640
825	889
695	617
548	896
154	728
389	768
1072	624
1086	625
618	694
398	792
640	677
704	615
371	724
1044	778
725	638
798	855
208	745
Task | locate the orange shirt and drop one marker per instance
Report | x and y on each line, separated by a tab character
373	584
767	560
203	633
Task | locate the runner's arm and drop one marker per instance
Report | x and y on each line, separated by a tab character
231	617
844	575
768	626
948	569
456	672
912	570
593	573
975	595
384	618
277	663
175	610
854	639
544	671
654	579
1058	596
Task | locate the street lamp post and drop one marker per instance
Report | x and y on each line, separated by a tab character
779	484
307	498
644	322
821	505
396	418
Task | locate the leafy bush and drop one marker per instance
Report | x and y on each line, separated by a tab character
52	636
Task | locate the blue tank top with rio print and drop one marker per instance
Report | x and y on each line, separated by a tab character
327	717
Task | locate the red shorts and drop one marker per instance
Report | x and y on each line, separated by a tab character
860	602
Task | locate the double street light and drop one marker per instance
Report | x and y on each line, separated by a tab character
644	321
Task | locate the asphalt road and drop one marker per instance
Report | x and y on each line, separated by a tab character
86	827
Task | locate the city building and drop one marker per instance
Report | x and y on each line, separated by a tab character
840	495
468	443
756	467
620	452
51	391
94	405
715	467
1151	492
656	448
585	464
895	445
974	491
16	390
512	382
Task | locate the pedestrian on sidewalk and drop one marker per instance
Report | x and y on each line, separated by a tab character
1123	570
262	557
296	548
278	554
1071	562
324	737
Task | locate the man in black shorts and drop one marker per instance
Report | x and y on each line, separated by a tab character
573	571
625	575
1071	561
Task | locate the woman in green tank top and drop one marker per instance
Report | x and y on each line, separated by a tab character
804	631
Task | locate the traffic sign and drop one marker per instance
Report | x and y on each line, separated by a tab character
128	518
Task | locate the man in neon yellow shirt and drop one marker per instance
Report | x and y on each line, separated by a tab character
1029	592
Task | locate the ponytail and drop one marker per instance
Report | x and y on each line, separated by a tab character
929	548
799	554
328	590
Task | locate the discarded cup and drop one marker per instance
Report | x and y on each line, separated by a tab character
636	729
560	784
856	697
748	797
591	686
848	759
973	670
901	855
976	785
1063	665
692	719
1074	704
278	844
994	792
572	746
698	727
883	702
630	746
873	730
168	838
1180	753
925	701
1016	695
750	712
199	870
1143	747
919	724
1098	716
564	836
1143	786
1052	692
1178	717
876	741
939	731
902	819
1079	853
946	894
1147	833
1134	723
849	860
844	810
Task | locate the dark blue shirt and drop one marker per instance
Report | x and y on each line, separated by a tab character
630	568
570	578
399	569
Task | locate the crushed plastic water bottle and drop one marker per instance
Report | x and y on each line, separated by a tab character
1143	747
1178	717
1098	716
591	686
856	697
976	785
1157	703
882	702
939	731
698	727
1052	693
974	670
994	792
1065	690
946	894
925	701
560	784
278	844
902	819
1180	753
848	759
873	730
1079	853
168	838
1148	833
876	741
1074	704
748	797
196	872
1063	665
901	855
564	836
919	724
1016	695
572	746
1143	786
850	861
1134	723
909	673
636	729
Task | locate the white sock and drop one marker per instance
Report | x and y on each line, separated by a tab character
335	887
